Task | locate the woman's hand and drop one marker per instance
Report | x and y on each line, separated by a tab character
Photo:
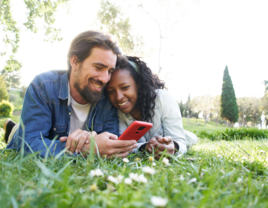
160	144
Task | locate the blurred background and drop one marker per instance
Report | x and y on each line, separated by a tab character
188	43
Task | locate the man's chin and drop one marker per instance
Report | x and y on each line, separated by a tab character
89	95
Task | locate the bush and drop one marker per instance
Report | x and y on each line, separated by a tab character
6	108
3	89
233	134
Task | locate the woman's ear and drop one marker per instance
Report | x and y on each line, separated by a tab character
74	62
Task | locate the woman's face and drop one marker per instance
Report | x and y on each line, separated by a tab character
123	92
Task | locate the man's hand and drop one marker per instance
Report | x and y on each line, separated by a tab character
160	144
77	139
111	147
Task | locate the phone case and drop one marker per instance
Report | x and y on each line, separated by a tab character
135	130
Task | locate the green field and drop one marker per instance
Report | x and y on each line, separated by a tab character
210	126
212	174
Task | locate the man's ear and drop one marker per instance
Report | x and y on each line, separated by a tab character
74	62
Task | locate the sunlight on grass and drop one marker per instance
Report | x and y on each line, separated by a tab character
210	126
212	174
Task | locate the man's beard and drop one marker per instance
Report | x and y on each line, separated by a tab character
91	96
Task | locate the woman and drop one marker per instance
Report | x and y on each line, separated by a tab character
140	95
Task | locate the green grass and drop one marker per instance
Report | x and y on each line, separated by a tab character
16	119
212	174
210	126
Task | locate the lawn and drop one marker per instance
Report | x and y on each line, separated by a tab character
212	174
210	126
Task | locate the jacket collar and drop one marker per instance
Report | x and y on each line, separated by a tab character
63	94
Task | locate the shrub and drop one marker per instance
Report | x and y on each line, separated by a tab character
233	134
6	108
3	89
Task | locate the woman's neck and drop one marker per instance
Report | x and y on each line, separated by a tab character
136	114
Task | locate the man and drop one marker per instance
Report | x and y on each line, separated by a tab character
64	109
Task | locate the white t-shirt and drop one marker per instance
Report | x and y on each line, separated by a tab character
79	115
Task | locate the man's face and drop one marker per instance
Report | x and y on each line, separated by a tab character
93	74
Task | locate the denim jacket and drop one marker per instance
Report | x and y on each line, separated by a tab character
46	115
167	121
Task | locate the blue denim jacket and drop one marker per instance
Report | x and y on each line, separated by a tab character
46	115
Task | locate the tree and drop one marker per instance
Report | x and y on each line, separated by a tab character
165	14
3	89
229	108
114	21
182	107
264	99
11	31
216	107
12	79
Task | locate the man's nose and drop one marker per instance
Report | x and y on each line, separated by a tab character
105	77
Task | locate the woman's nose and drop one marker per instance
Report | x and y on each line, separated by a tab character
119	95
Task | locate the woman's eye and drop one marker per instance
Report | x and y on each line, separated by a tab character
125	87
110	92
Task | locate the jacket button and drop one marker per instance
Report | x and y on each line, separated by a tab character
70	113
54	129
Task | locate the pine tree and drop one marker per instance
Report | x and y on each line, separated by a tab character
229	108
3	90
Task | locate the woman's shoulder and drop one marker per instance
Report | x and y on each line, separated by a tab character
163	94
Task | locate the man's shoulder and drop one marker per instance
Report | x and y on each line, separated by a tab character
49	76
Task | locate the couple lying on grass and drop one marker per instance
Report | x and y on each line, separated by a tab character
100	95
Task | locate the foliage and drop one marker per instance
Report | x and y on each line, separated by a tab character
213	174
234	134
12	78
3	90
249	109
22	93
182	107
6	108
229	108
112	19
35	10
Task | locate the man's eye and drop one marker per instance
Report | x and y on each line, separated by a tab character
98	68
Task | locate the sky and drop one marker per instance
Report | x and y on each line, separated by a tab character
207	36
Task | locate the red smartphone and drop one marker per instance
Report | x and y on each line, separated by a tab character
135	130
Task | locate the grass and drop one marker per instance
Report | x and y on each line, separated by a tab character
212	174
16	119
210	126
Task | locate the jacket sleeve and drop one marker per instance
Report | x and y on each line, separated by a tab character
35	124
172	121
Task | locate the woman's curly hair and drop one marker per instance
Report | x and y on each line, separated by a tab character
147	83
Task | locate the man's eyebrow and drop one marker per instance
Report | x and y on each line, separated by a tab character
103	65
